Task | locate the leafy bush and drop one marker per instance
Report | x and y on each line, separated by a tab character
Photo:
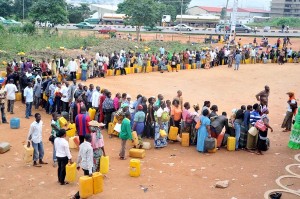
292	22
15	29
29	28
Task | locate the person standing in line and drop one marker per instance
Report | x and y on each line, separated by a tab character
10	91
238	58
73	67
36	137
89	95
2	104
95	98
82	124
28	95
85	159
84	69
71	91
125	134
63	155
55	130
65	96
37	90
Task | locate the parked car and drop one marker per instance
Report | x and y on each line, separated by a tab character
84	25
267	28
2	19
183	27
154	28
92	20
11	22
106	30
242	28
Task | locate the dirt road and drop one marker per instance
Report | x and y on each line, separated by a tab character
175	171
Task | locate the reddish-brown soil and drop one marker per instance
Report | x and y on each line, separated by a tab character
175	171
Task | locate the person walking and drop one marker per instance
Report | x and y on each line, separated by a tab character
35	136
263	97
28	95
10	91
63	155
125	134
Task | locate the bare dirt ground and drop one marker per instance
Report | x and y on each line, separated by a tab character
187	173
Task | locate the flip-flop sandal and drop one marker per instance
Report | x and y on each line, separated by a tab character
43	162
65	183
122	158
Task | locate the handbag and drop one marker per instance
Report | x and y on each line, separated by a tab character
117	127
253	131
260	125
51	138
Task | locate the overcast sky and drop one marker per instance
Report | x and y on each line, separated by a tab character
261	4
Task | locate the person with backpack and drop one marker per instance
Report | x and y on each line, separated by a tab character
291	111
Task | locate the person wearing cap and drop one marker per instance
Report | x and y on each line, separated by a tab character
125	134
262	135
139	123
291	111
63	155
97	143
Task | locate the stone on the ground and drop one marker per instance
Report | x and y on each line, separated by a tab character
222	184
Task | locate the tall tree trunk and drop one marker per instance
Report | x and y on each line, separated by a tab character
138	30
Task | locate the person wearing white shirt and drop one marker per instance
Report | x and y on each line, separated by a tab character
28	95
85	158
65	97
63	155
95	98
226	55
10	90
253	56
73	67
85	155
36	138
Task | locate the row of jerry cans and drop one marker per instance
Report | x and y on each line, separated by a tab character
91	185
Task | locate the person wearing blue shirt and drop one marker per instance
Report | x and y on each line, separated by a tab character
254	117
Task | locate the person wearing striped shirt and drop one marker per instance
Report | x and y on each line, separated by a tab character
82	124
254	117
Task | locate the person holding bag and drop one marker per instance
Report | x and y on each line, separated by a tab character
263	125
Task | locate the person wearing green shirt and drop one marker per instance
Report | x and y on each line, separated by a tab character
125	134
55	129
84	69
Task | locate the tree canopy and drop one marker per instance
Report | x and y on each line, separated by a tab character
53	11
77	14
6	7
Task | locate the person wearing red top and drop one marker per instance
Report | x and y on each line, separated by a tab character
101	100
82	124
43	66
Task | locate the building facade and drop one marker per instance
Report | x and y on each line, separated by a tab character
285	8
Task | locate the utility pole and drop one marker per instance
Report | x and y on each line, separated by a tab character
23	11
181	14
233	19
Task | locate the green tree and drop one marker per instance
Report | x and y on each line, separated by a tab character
223	13
6	8
18	8
53	11
141	13
77	14
166	10
176	4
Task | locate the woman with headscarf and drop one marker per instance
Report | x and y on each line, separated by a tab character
97	143
294	142
161	123
207	60
262	135
291	110
204	131
139	123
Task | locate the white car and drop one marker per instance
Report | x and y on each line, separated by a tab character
183	27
